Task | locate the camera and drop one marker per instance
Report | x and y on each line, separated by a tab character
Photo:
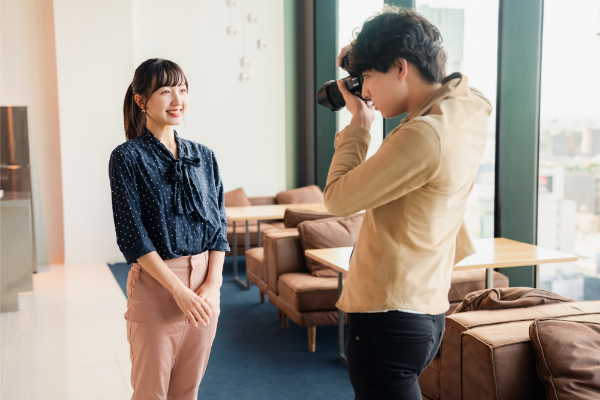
330	96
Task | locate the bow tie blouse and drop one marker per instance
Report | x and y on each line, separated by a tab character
176	207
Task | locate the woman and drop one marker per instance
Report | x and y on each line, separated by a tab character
169	213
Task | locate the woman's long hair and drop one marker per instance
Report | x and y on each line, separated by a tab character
150	76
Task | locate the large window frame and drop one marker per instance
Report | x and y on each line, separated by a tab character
517	116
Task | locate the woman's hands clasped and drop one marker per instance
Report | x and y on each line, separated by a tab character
193	305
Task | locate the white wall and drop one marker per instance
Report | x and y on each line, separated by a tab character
243	123
94	53
28	78
100	43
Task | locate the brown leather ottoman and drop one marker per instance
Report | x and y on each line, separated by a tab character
482	326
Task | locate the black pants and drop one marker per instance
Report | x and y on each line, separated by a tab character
388	351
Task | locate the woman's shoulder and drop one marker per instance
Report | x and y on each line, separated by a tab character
196	148
128	151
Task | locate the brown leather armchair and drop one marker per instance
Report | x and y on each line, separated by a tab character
487	354
282	273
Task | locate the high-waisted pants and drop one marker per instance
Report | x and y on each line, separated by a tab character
168	355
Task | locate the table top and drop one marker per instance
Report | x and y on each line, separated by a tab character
491	253
274	211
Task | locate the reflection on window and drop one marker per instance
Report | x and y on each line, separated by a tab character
469	30
351	16
569	182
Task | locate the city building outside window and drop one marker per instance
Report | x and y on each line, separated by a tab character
569	171
469	29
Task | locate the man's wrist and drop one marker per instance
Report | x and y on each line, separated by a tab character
362	121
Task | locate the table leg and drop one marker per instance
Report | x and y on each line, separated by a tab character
236	278
341	352
536	276
259	235
489	278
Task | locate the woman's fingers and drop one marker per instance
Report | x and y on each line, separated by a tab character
205	306
191	318
198	315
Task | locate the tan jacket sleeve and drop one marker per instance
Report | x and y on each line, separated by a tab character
405	161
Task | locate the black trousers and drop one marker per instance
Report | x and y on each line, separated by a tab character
388	351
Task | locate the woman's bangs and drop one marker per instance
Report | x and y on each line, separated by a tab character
168	74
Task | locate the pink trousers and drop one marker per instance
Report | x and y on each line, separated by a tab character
168	355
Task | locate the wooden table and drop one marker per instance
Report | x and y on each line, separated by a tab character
491	253
251	213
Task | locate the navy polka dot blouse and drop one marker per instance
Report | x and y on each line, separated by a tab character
176	207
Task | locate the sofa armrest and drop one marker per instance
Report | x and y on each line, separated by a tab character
262	201
283	254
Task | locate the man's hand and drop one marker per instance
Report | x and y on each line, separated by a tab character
363	113
343	52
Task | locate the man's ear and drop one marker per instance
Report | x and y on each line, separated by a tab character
402	67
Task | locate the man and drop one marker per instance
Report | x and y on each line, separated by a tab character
414	190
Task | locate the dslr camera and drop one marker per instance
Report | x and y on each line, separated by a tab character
330	96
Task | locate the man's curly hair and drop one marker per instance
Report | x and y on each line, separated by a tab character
399	33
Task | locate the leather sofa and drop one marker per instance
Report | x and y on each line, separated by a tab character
488	354
238	198
280	270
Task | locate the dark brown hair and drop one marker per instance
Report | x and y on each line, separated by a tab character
150	76
399	33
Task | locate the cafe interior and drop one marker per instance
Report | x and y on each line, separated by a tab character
524	316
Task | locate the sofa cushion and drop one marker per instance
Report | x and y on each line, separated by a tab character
293	217
465	282
567	353
307	194
305	292
328	233
237	198
507	298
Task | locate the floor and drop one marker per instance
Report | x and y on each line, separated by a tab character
68	339
68	342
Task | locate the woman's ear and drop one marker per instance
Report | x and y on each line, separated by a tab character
139	102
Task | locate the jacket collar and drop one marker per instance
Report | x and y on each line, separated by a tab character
453	84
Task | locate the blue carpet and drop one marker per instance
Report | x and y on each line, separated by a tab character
254	358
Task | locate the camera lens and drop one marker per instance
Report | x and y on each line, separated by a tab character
330	96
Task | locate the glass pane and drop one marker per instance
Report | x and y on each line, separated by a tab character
469	30
569	185
351	16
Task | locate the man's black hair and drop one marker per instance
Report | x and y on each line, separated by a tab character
399	33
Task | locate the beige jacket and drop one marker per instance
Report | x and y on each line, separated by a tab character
415	191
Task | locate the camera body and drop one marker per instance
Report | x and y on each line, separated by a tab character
330	96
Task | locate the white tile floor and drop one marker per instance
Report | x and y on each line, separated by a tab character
68	339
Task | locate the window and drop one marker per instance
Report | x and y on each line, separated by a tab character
469	30
569	172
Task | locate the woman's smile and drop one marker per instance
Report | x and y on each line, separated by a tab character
174	113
